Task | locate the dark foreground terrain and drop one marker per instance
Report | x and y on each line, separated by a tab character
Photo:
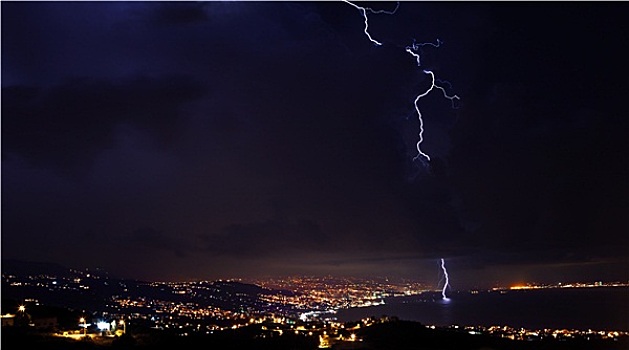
391	335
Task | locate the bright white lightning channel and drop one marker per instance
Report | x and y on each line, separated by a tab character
364	10
416	47
447	283
419	113
413	50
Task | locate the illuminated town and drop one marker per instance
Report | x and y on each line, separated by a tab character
321	294
303	306
565	285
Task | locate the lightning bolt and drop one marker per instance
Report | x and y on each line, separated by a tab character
414	50
419	113
364	11
447	283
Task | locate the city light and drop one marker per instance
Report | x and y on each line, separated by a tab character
84	324
306	306
102	326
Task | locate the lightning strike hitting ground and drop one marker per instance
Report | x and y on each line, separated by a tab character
447	283
413	50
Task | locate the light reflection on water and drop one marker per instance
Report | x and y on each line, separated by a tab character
578	308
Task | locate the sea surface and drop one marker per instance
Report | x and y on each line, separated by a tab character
602	308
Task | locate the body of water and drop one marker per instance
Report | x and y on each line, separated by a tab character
568	308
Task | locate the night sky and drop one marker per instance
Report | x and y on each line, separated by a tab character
179	141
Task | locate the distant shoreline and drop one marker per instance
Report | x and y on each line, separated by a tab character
600	308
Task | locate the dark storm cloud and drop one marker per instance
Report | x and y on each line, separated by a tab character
184	13
551	184
269	238
541	148
68	124
153	239
275	134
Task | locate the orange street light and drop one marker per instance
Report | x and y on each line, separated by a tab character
82	320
